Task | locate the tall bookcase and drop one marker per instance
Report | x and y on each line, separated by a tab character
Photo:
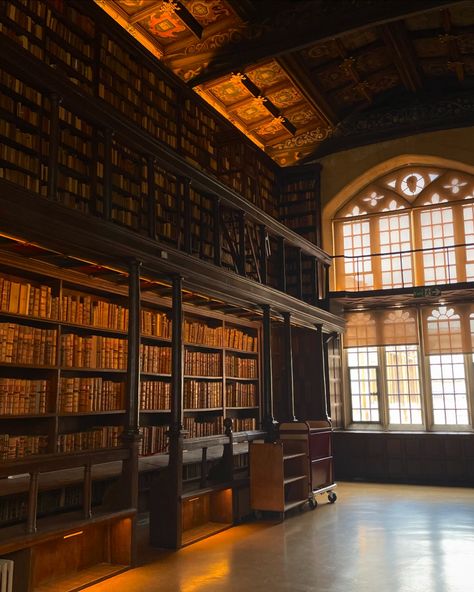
300	206
63	378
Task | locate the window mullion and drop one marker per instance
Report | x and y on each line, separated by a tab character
383	391
375	248
459	239
427	400
469	373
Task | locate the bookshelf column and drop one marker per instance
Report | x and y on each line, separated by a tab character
216	235
167	487
131	434
290	387
322	408
53	148
269	424
263	254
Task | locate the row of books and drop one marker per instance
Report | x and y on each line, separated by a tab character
155	394
13	509
155	323
80	395
244	425
237	339
241	367
154	440
20	344
82	309
27	299
15	447
93	439
238	394
20	396
155	359
197	428
200	333
24	92
202	364
200	395
93	351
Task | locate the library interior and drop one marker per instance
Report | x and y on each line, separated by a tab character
236	283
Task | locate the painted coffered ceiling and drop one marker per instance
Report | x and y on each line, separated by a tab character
290	74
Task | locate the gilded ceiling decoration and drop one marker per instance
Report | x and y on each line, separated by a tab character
290	75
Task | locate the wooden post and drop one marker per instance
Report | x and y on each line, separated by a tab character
188	240
241	216
107	212
321	387
167	486
133	358
177	356
263	254
281	252
32	503
87	491
299	274
290	386
314	282
269	424
216	234
151	197
53	147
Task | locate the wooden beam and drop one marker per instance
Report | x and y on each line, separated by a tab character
174	7
309	26
142	14
401	51
455	62
301	77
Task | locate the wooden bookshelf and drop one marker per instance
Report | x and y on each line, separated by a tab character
299	206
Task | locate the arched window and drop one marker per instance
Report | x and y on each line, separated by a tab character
412	227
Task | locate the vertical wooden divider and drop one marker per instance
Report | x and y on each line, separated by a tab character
290	386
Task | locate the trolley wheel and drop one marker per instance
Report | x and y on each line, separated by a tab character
313	504
332	497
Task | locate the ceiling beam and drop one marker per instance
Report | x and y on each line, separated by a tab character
455	62
301	77
174	7
142	14
309	23
401	51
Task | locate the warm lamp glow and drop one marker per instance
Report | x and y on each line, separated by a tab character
73	534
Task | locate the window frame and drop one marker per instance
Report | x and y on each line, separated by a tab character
426	395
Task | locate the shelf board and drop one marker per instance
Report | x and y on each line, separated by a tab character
290	456
101	370
91	329
75	413
80	579
240	378
294	504
155	410
149	337
28	416
241	351
204	377
201	532
217	348
293	479
227	407
203	409
22	317
32	366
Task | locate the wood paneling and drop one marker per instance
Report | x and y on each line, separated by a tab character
441	458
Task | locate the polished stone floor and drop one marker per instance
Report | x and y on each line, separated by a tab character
375	538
